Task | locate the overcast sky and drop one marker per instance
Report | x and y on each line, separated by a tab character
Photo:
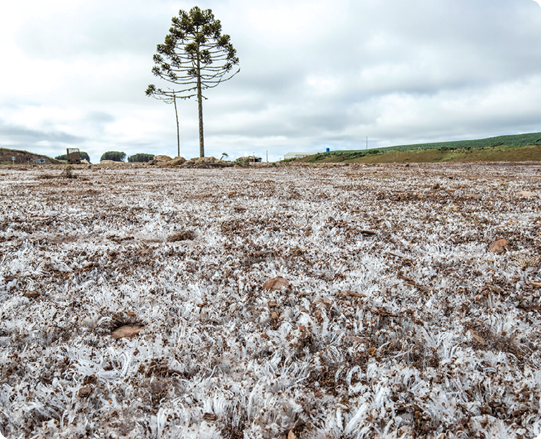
314	74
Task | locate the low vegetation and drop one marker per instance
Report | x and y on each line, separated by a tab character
333	302
140	158
115	156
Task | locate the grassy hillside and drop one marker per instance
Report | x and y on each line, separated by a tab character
520	147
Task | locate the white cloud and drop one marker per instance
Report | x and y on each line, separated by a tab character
314	75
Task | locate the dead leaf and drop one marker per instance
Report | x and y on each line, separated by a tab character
476	337
210	417
526	194
498	245
131	314
126	331
291	435
367	232
347	293
85	391
31	294
185	235
276	284
324	301
537	284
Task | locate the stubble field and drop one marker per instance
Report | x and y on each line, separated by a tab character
132	302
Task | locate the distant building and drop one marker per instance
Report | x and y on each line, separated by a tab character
297	155
41	161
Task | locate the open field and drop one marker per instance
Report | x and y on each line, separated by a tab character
132	302
517	147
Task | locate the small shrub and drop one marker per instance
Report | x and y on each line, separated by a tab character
244	162
116	156
140	157
68	172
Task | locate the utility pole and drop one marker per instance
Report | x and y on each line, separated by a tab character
267	157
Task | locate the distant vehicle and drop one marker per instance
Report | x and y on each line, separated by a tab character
73	156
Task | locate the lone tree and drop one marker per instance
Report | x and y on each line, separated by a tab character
196	56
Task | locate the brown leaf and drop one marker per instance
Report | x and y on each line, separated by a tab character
476	337
291	435
85	391
347	293
276	284
210	417
498	245
31	294
324	301
526	194
90	379
185	235
126	331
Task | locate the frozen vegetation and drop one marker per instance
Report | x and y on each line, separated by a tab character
132	303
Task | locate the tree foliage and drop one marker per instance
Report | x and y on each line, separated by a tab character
83	155
116	156
140	158
196	57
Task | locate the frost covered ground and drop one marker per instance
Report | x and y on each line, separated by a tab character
397	321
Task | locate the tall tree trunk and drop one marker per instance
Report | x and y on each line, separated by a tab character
178	129
200	105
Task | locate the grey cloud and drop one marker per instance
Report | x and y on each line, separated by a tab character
17	136
99	117
384	60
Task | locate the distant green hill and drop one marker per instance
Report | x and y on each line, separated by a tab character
512	140
516	147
